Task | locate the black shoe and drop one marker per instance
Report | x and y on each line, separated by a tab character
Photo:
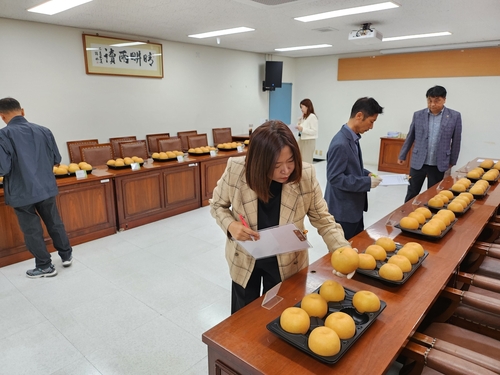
67	263
38	272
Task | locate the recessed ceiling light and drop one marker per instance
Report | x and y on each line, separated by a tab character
235	30
56	6
127	44
416	36
302	47
348	12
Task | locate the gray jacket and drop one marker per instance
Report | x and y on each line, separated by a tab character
450	136
28	152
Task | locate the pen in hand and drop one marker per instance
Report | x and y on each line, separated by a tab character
242	219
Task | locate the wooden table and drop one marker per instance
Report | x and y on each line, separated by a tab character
87	208
242	345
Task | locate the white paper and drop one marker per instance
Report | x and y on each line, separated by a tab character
394	179
276	240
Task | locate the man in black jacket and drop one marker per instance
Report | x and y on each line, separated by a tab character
28	153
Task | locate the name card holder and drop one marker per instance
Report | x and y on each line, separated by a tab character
81	175
271	298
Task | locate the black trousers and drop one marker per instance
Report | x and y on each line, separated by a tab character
266	272
351	229
417	179
29	221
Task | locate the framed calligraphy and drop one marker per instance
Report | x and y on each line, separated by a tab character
123	57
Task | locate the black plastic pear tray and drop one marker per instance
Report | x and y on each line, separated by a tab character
435	209
418	232
67	174
163	160
476	196
199	153
363	321
406	275
491	182
122	166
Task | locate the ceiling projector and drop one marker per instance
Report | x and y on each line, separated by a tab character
365	36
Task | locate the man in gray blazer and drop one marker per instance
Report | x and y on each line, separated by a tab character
348	182
435	133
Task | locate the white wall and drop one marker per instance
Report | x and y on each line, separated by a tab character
475	97
203	87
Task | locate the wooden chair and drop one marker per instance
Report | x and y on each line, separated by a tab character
97	154
74	149
170	144
198	140
115	143
134	148
184	138
153	141
222	135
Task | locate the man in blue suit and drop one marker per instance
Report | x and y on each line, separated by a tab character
436	133
347	181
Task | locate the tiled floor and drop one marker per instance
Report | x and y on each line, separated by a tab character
134	303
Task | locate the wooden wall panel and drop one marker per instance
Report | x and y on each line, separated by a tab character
456	63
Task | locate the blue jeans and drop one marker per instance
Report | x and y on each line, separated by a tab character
29	221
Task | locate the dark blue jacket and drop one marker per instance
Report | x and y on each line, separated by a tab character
347	180
28	153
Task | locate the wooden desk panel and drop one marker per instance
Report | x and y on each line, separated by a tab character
243	343
389	153
212	169
157	191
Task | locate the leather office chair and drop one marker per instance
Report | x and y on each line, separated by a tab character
74	149
115	143
184	138
198	140
97	154
152	140
134	148
170	144
446	349
222	135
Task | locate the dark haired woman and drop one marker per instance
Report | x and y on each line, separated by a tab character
308	130
269	187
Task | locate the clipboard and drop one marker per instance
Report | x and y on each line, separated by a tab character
394	179
276	240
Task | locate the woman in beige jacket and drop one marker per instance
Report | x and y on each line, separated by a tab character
269	187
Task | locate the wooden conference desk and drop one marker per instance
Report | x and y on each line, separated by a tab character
87	208
242	345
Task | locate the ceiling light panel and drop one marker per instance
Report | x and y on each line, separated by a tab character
416	36
302	47
235	30
348	12
56	6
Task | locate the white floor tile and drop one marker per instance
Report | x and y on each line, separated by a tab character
158	347
40	349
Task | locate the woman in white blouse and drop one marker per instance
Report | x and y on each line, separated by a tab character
308	130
